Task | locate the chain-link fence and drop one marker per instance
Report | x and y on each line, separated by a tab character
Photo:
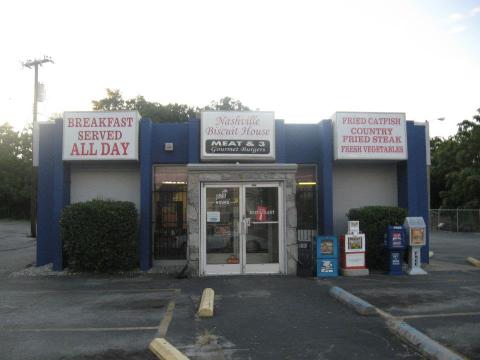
458	220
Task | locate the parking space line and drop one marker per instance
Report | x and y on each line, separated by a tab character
87	290
438	315
89	329
470	289
165	323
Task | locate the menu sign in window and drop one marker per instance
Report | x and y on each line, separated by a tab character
246	135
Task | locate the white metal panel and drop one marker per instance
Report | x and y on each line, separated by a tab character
107	182
357	184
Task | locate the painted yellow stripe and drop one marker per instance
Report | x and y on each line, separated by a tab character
167	319
439	315
88	329
89	290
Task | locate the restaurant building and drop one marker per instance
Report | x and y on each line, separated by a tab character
230	192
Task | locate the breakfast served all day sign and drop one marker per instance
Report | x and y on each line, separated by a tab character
100	135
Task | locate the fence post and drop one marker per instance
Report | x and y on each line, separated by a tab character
457	219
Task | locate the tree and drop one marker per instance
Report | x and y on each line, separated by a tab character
162	113
455	175
15	171
227	104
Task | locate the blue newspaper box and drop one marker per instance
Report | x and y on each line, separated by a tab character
396	243
327	256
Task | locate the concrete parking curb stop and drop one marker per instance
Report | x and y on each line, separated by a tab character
359	305
165	351
473	261
206	304
427	346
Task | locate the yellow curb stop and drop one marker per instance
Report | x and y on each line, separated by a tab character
473	261
206	304
165	351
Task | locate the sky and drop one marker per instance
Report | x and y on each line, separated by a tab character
304	60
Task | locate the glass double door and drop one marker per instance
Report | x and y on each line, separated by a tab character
242	228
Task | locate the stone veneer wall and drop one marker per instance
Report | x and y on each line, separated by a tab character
241	173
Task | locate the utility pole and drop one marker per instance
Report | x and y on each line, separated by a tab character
33	193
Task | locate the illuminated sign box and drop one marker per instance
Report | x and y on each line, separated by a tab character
100	135
238	135
369	136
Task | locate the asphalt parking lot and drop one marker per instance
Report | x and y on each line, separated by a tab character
256	317
445	304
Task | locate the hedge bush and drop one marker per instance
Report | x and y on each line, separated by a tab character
374	221
100	236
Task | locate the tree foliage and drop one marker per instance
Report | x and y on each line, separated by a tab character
455	171
15	171
226	104
162	113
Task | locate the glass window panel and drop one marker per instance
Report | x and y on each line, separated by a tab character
170	213
261	206
306	202
222	225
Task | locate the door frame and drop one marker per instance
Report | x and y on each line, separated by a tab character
242	268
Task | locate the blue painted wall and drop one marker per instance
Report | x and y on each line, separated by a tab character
412	179
302	143
178	134
325	178
146	152
53	195
45	222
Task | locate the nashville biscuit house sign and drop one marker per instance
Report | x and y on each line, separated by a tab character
230	135
99	135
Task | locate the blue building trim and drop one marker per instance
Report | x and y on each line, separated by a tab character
280	143
145	243
417	178
412	179
193	141
325	178
61	194
176	133
45	223
302	143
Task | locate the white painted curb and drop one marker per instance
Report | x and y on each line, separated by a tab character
427	346
359	305
473	261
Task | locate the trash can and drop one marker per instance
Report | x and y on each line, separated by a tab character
305	259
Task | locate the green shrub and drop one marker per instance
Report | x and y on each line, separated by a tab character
374	221
100	236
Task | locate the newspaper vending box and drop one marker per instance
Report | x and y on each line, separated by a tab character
415	228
